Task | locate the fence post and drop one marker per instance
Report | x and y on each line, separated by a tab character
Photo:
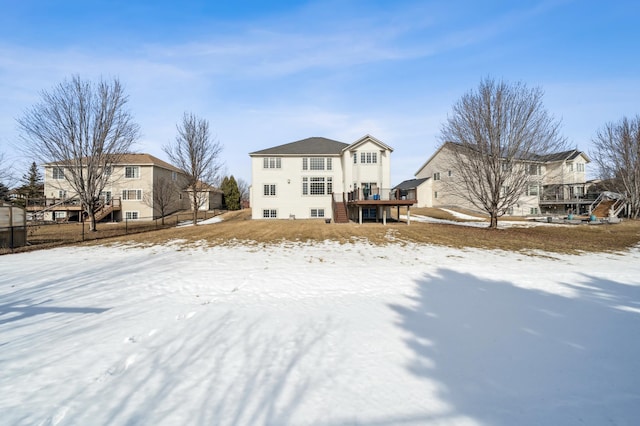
82	228
126	225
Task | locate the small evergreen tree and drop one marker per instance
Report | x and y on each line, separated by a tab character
232	194
224	188
32	184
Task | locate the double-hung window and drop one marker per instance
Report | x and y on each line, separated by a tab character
368	157
269	213
269	190
317	213
132	194
436	176
58	173
132	172
272	163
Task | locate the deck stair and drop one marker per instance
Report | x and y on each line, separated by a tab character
107	208
339	205
607	204
602	209
341	214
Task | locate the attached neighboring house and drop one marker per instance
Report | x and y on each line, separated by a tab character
298	179
557	183
128	195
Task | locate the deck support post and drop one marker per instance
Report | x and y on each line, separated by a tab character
360	215
384	216
408	215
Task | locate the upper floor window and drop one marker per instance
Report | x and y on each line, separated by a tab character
580	167
436	176
368	157
132	194
535	169
58	173
174	176
532	190
272	163
355	158
269	190
107	171
132	172
317	163
317	185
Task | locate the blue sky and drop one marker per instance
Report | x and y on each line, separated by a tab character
268	73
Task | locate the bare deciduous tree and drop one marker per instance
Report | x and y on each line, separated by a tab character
243	188
164	197
617	153
5	174
494	132
197	154
83	128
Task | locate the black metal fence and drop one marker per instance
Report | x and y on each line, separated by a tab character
36	235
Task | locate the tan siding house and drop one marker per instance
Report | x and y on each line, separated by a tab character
131	188
557	183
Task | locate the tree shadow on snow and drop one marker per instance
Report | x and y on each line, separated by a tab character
24	309
506	355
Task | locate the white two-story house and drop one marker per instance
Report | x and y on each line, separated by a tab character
298	179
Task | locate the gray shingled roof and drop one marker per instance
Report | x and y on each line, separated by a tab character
410	184
308	146
559	156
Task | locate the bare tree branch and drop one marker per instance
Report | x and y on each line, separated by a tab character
493	134
197	154
617	153
83	128
164	197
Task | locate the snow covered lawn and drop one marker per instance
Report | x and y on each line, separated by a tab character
322	334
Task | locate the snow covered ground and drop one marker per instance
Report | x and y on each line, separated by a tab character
322	334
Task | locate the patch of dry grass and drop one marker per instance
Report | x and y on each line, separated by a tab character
238	228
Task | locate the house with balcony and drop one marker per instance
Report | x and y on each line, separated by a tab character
557	184
323	178
137	184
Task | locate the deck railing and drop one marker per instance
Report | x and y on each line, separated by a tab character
360	194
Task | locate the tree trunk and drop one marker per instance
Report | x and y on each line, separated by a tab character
92	217
195	208
494	221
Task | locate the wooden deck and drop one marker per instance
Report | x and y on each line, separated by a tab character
381	200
